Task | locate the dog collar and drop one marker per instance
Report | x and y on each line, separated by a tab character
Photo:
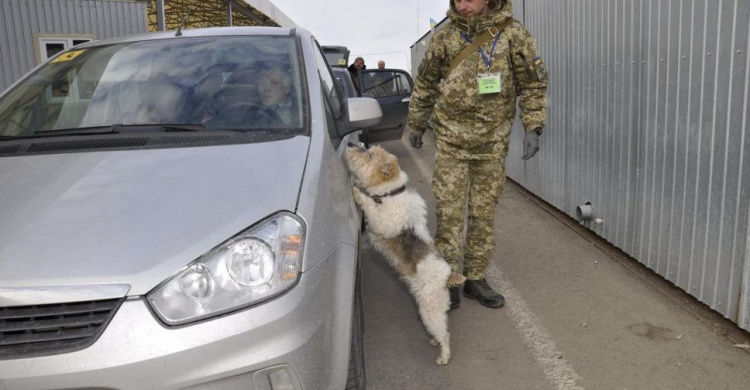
379	198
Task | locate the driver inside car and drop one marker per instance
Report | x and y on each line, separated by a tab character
275	92
256	99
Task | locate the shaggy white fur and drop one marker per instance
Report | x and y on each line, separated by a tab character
397	227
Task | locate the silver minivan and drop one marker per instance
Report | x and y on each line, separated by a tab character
176	213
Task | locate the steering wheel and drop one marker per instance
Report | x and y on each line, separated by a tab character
245	114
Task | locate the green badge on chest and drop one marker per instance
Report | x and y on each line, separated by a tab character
489	83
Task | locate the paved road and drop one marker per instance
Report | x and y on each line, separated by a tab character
579	315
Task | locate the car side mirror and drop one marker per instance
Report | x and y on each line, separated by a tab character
363	113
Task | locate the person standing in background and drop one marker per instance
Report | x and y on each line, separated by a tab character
358	64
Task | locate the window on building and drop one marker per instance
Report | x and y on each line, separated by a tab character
49	46
52	48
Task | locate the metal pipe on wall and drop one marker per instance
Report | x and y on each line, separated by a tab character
160	21
229	12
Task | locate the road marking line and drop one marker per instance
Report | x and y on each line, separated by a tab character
558	371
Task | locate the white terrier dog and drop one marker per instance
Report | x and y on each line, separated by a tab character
397	227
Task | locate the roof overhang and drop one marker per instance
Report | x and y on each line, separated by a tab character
170	14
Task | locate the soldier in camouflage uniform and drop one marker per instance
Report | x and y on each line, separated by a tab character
472	127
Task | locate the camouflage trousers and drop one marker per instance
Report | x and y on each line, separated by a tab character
455	183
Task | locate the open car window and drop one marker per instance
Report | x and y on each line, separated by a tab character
384	83
345	82
233	83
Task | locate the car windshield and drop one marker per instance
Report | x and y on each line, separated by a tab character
234	83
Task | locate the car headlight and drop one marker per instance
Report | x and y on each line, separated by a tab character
255	265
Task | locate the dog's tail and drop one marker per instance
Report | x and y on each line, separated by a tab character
455	280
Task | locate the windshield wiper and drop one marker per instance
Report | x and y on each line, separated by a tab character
127	129
178	128
77	131
119	129
196	127
111	129
64	132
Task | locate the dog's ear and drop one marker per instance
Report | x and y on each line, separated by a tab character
386	169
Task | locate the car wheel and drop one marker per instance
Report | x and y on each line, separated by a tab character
356	379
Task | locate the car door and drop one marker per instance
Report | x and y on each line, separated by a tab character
392	89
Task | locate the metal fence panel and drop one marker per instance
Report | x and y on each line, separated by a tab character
648	120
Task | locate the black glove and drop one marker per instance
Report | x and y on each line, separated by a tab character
530	144
415	139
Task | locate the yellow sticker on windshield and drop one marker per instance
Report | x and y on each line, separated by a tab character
342	61
68	56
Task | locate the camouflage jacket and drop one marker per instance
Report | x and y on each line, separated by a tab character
468	124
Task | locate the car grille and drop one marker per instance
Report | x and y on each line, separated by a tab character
30	331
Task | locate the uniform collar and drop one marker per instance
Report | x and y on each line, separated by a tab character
477	25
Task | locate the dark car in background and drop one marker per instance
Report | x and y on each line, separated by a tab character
390	87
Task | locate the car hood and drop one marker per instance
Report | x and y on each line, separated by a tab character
135	217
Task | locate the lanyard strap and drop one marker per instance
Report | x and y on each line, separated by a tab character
487	60
478	41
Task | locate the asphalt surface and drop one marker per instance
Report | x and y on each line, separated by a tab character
579	314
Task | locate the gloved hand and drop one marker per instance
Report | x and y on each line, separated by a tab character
530	144
415	139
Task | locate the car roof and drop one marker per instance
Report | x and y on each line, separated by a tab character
201	32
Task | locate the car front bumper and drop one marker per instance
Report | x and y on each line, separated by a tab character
301	337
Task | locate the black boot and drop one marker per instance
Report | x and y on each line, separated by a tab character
481	291
455	298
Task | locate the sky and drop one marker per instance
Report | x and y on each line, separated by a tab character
375	30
